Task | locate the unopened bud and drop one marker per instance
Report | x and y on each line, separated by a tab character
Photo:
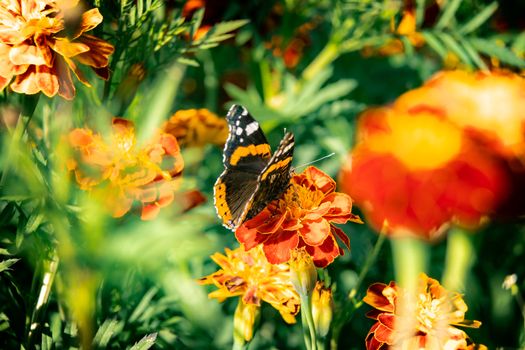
244	320
322	309
303	273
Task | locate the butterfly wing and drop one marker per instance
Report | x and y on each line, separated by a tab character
246	155
275	177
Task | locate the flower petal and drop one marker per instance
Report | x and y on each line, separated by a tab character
321	180
375	297
67	48
98	54
324	254
90	19
340	207
249	236
26	54
278	246
314	232
342	236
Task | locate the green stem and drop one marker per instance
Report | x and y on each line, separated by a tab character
306	333
307	311
410	259
459	259
327	55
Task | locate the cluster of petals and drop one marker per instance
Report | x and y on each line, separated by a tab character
122	171
197	127
39	51
435	157
249	275
432	317
303	217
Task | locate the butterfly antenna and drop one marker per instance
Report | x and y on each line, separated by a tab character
314	161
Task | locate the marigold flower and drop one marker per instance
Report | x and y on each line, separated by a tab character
197	127
37	53
419	172
249	275
436	312
488	104
122	172
302	217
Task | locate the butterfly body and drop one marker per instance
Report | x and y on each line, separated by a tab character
252	176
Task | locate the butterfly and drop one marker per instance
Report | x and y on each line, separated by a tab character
252	176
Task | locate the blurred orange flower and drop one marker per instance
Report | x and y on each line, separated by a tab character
249	275
436	312
302	217
418	170
120	171
197	127
489	105
36	51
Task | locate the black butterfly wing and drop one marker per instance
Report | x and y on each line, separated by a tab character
275	177
246	155
246	148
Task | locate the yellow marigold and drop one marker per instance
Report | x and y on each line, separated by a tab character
36	51
435	313
249	275
122	171
197	127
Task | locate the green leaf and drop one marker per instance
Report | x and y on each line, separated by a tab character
435	44
145	343
479	19
33	222
448	14
188	61
144	303
6	264
474	55
453	46
502	53
7	213
106	331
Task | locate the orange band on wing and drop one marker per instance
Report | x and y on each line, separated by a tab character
253	150
220	202
276	166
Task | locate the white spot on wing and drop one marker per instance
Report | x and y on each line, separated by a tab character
251	128
239	131
244	112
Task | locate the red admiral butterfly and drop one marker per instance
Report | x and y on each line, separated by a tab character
252	177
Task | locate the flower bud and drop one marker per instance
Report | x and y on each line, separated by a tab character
322	309
246	315
303	273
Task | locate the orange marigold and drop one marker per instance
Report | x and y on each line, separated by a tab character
197	127
249	275
36	51
122	171
302	217
436	312
419	172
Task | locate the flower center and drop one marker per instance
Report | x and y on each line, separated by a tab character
299	198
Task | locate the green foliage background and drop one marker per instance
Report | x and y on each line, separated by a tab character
125	283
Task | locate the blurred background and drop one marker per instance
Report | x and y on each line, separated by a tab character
72	275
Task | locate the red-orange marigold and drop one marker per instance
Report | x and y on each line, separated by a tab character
434	315
302	217
419	172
